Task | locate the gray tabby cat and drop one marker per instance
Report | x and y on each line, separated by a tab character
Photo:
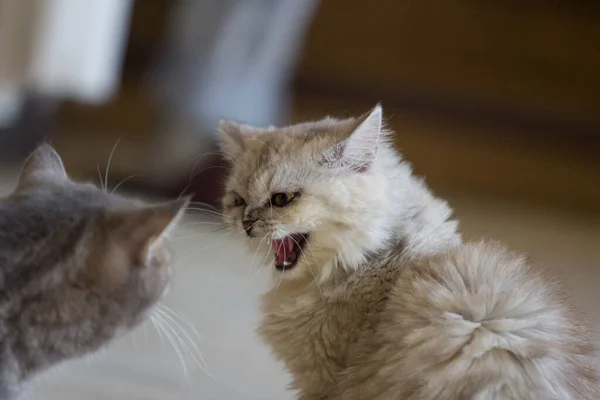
78	267
376	296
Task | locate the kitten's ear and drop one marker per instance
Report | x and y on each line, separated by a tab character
358	150
43	165
140	230
231	139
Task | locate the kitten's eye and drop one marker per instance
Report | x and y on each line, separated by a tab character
238	201
282	199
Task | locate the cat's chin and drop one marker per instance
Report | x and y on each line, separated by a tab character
288	250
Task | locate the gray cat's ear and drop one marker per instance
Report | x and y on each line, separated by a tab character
359	148
231	139
43	165
141	229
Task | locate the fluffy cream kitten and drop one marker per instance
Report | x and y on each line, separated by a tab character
376	296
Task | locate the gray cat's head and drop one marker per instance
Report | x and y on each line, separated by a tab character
78	265
319	194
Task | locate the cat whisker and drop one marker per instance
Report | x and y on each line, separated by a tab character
257	249
172	341
227	156
182	335
118	185
108	164
185	188
216	212
100	176
312	254
183	319
204	233
203	223
157	327
202	248
280	278
194	163
262	264
310	250
197	235
283	271
197	160
220	229
207	168
194	253
173	320
260	267
206	211
203	204
308	264
269	197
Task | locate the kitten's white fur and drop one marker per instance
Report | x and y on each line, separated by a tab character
349	215
387	302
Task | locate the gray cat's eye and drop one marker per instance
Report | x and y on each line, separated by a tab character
238	200
282	199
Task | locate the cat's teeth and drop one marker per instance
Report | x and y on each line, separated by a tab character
285	263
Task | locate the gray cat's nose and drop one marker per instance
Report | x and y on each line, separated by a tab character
248	224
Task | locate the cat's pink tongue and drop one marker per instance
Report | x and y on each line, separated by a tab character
282	248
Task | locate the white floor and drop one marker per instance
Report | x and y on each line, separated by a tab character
217	291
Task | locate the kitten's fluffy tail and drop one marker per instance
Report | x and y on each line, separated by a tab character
480	323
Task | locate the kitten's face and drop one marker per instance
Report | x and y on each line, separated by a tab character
309	192
78	265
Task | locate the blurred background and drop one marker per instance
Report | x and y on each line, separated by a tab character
496	103
498	98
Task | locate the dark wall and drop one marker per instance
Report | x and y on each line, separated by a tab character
522	60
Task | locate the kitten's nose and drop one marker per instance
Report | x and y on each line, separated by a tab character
248	224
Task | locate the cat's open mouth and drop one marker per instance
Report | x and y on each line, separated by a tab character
288	250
